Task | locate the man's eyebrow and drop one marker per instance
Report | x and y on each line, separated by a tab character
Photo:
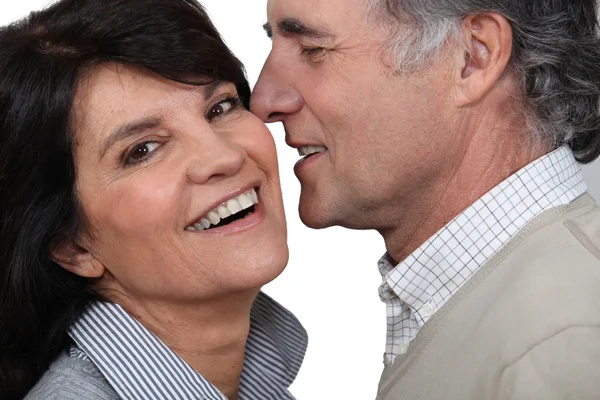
293	26
269	30
129	129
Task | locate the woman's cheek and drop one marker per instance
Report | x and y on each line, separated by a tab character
140	204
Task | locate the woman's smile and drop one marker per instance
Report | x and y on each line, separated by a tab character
239	212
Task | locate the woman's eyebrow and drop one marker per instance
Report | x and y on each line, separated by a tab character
210	89
129	129
132	128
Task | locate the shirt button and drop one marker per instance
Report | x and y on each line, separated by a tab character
402	348
427	310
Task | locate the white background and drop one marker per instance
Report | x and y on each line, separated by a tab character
331	281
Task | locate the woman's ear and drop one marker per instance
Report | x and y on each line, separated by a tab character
76	259
489	49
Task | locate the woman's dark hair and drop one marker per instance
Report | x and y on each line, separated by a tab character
42	60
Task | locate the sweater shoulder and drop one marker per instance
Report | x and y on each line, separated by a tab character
560	256
549	283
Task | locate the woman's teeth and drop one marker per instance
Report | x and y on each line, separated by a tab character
309	150
231	207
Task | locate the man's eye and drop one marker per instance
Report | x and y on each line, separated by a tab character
141	152
223	107
312	51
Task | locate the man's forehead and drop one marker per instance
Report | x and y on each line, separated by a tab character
297	5
313	18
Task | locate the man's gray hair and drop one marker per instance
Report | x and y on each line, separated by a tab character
556	57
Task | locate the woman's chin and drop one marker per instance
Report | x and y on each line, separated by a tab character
263	269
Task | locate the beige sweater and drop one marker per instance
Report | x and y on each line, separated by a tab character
525	326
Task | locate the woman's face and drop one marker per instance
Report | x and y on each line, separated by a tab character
158	163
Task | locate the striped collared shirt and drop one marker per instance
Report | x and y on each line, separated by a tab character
140	366
421	284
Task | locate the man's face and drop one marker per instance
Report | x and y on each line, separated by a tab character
380	136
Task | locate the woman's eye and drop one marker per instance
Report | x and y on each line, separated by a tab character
141	152
223	107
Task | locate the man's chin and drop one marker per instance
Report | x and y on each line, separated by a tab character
312	218
313	223
315	216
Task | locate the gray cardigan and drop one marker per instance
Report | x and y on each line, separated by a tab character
72	378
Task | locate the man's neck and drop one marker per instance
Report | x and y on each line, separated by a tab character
210	336
484	165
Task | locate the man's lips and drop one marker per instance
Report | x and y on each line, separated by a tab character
307	161
310	150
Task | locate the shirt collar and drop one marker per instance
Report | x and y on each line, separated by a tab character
436	270
138	365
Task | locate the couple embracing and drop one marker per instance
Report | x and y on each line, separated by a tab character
141	211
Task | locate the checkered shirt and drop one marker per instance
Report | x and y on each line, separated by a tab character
421	284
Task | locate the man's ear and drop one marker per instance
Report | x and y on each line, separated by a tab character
76	259
489	48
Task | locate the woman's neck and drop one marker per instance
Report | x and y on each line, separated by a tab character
210	336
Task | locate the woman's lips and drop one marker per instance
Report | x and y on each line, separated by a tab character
246	205
233	206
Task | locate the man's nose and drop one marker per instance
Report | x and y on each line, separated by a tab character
274	96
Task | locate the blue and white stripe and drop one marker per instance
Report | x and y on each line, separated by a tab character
139	366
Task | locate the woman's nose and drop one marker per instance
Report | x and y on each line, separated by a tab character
274	97
217	160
